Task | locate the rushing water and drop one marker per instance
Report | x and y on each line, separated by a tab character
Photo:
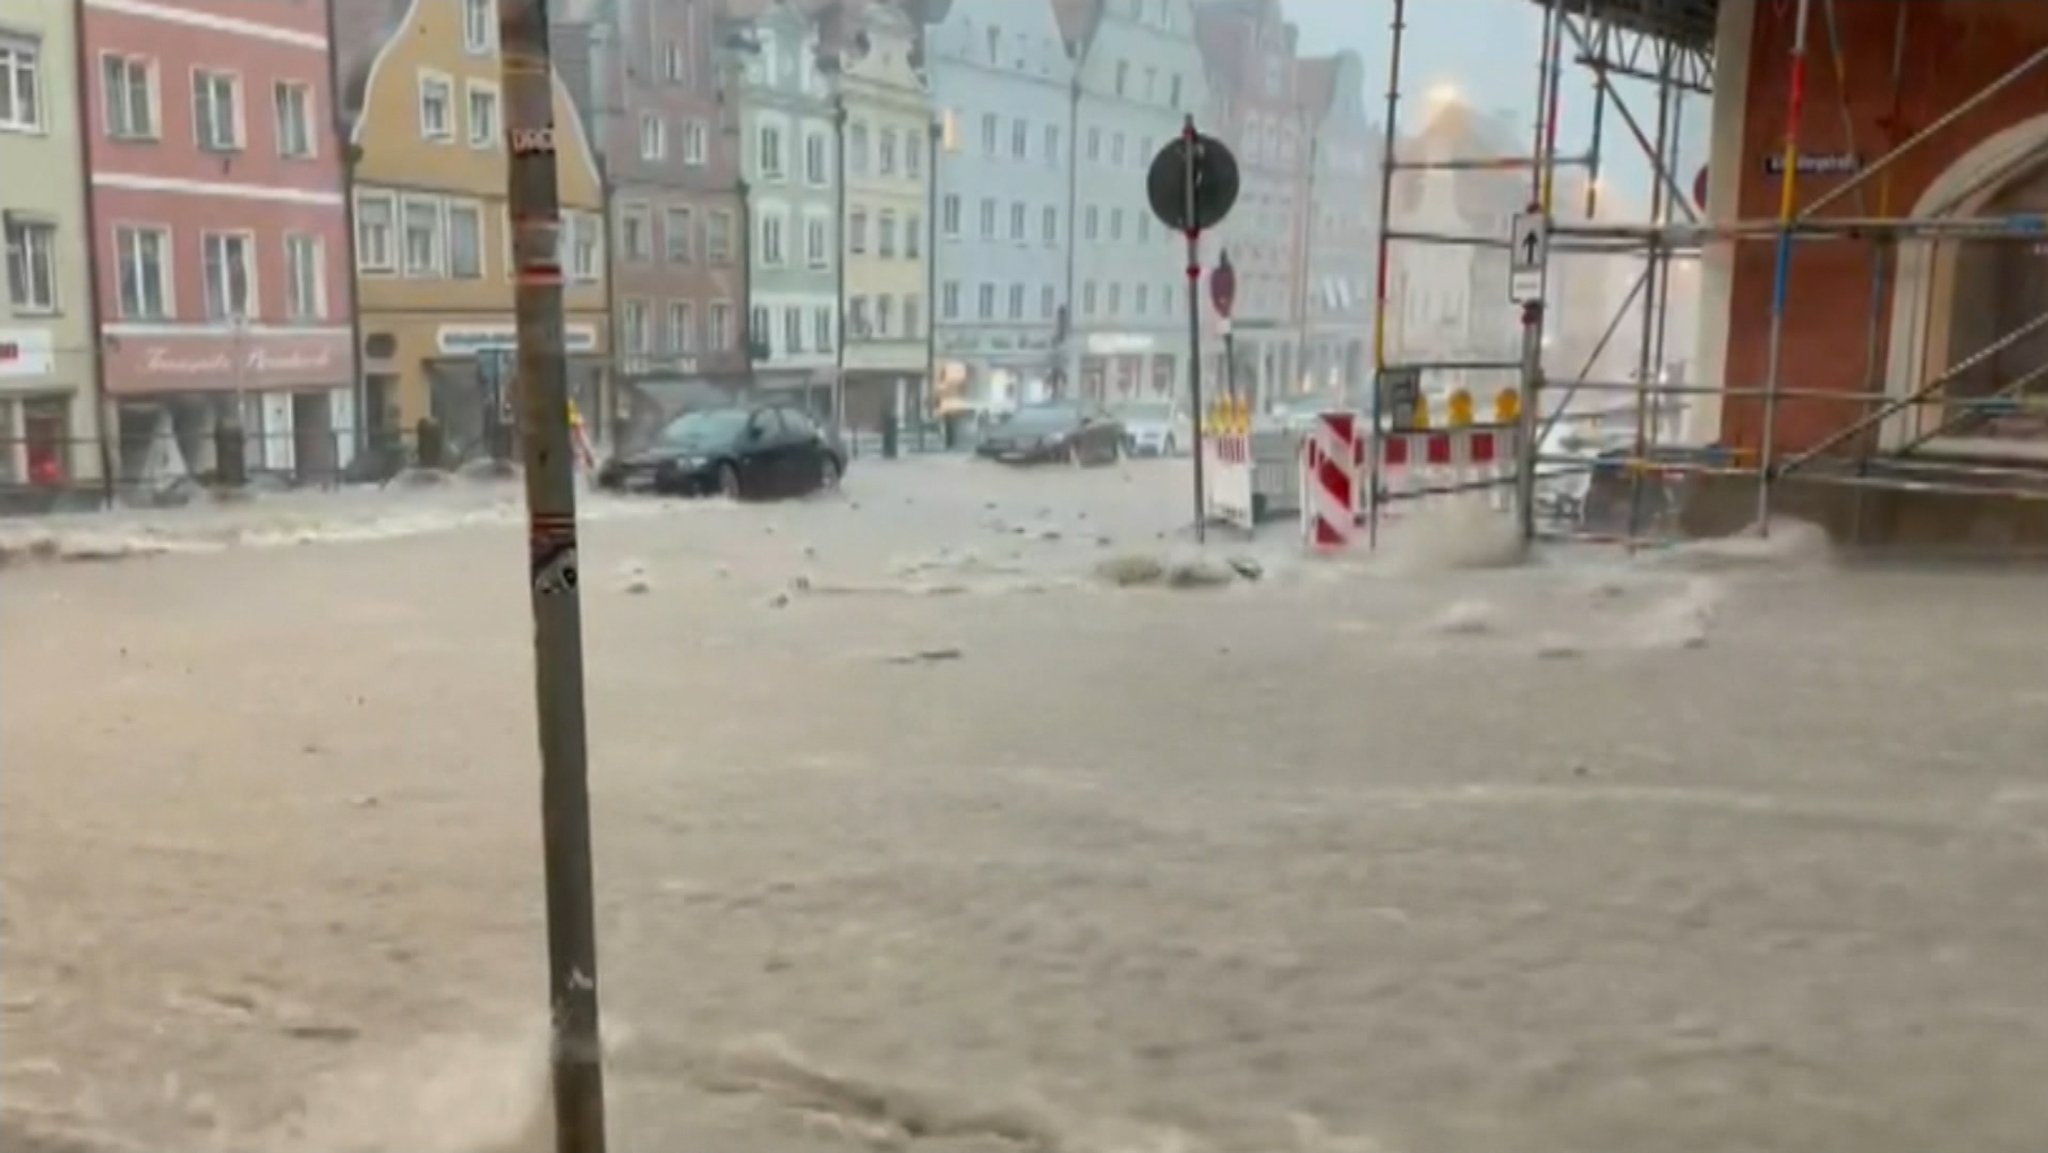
914	833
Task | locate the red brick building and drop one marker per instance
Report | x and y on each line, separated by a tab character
219	232
1950	319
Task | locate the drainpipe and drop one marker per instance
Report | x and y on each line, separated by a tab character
838	397
931	277
1071	355
1308	236
343	140
746	255
103	408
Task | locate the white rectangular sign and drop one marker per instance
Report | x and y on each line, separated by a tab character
1528	252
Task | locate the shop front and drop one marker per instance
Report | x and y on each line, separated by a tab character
463	373
1127	367
47	435
290	390
996	371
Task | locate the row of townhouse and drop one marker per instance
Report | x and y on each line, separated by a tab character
293	214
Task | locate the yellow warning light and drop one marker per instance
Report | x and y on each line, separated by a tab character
1507	406
1461	409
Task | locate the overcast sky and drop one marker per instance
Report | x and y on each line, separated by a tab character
1488	49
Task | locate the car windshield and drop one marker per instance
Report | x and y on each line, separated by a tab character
1046	416
704	429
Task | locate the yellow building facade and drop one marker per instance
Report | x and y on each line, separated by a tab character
888	189
434	270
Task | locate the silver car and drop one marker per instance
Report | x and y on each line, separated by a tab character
1154	428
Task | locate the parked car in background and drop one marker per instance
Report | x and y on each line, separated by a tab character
1042	433
755	452
1154	428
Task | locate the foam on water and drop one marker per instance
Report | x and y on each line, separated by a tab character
1451	535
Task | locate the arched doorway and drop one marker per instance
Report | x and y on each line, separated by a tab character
1998	326
1975	304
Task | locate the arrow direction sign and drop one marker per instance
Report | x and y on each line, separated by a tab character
1529	251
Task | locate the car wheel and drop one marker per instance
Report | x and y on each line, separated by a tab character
828	474
728	482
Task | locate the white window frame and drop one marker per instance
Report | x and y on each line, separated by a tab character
366	261
297	307
437	269
252	304
23	56
483	141
686	217
633	327
479	39
817	242
696	143
149	77
31	241
237	124
306	118
681	328
642	214
429	79
718	321
653	137
449	211
166	269
818	148
776	135
586	250
774	239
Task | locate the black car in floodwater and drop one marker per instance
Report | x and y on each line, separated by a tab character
756	452
1044	433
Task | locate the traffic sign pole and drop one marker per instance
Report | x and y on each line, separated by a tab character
1189	142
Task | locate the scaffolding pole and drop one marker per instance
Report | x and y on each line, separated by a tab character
1675	231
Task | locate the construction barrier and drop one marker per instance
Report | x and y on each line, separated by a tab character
1462	459
1227	464
1330	479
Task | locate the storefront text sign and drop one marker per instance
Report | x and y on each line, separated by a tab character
469	339
27	352
209	362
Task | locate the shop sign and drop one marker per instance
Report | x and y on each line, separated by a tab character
218	362
470	339
27	352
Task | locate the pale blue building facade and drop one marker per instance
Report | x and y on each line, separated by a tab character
1001	83
1140	73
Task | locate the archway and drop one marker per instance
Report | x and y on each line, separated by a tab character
1953	299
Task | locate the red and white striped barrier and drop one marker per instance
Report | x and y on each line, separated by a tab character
1442	462
1227	475
1472	462
1331	493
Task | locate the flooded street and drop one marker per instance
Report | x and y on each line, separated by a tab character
915	832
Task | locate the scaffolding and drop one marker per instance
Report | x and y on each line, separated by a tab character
1669	44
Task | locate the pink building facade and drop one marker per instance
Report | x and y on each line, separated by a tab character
220	233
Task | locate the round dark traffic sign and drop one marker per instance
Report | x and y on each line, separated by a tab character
1223	285
1215	172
